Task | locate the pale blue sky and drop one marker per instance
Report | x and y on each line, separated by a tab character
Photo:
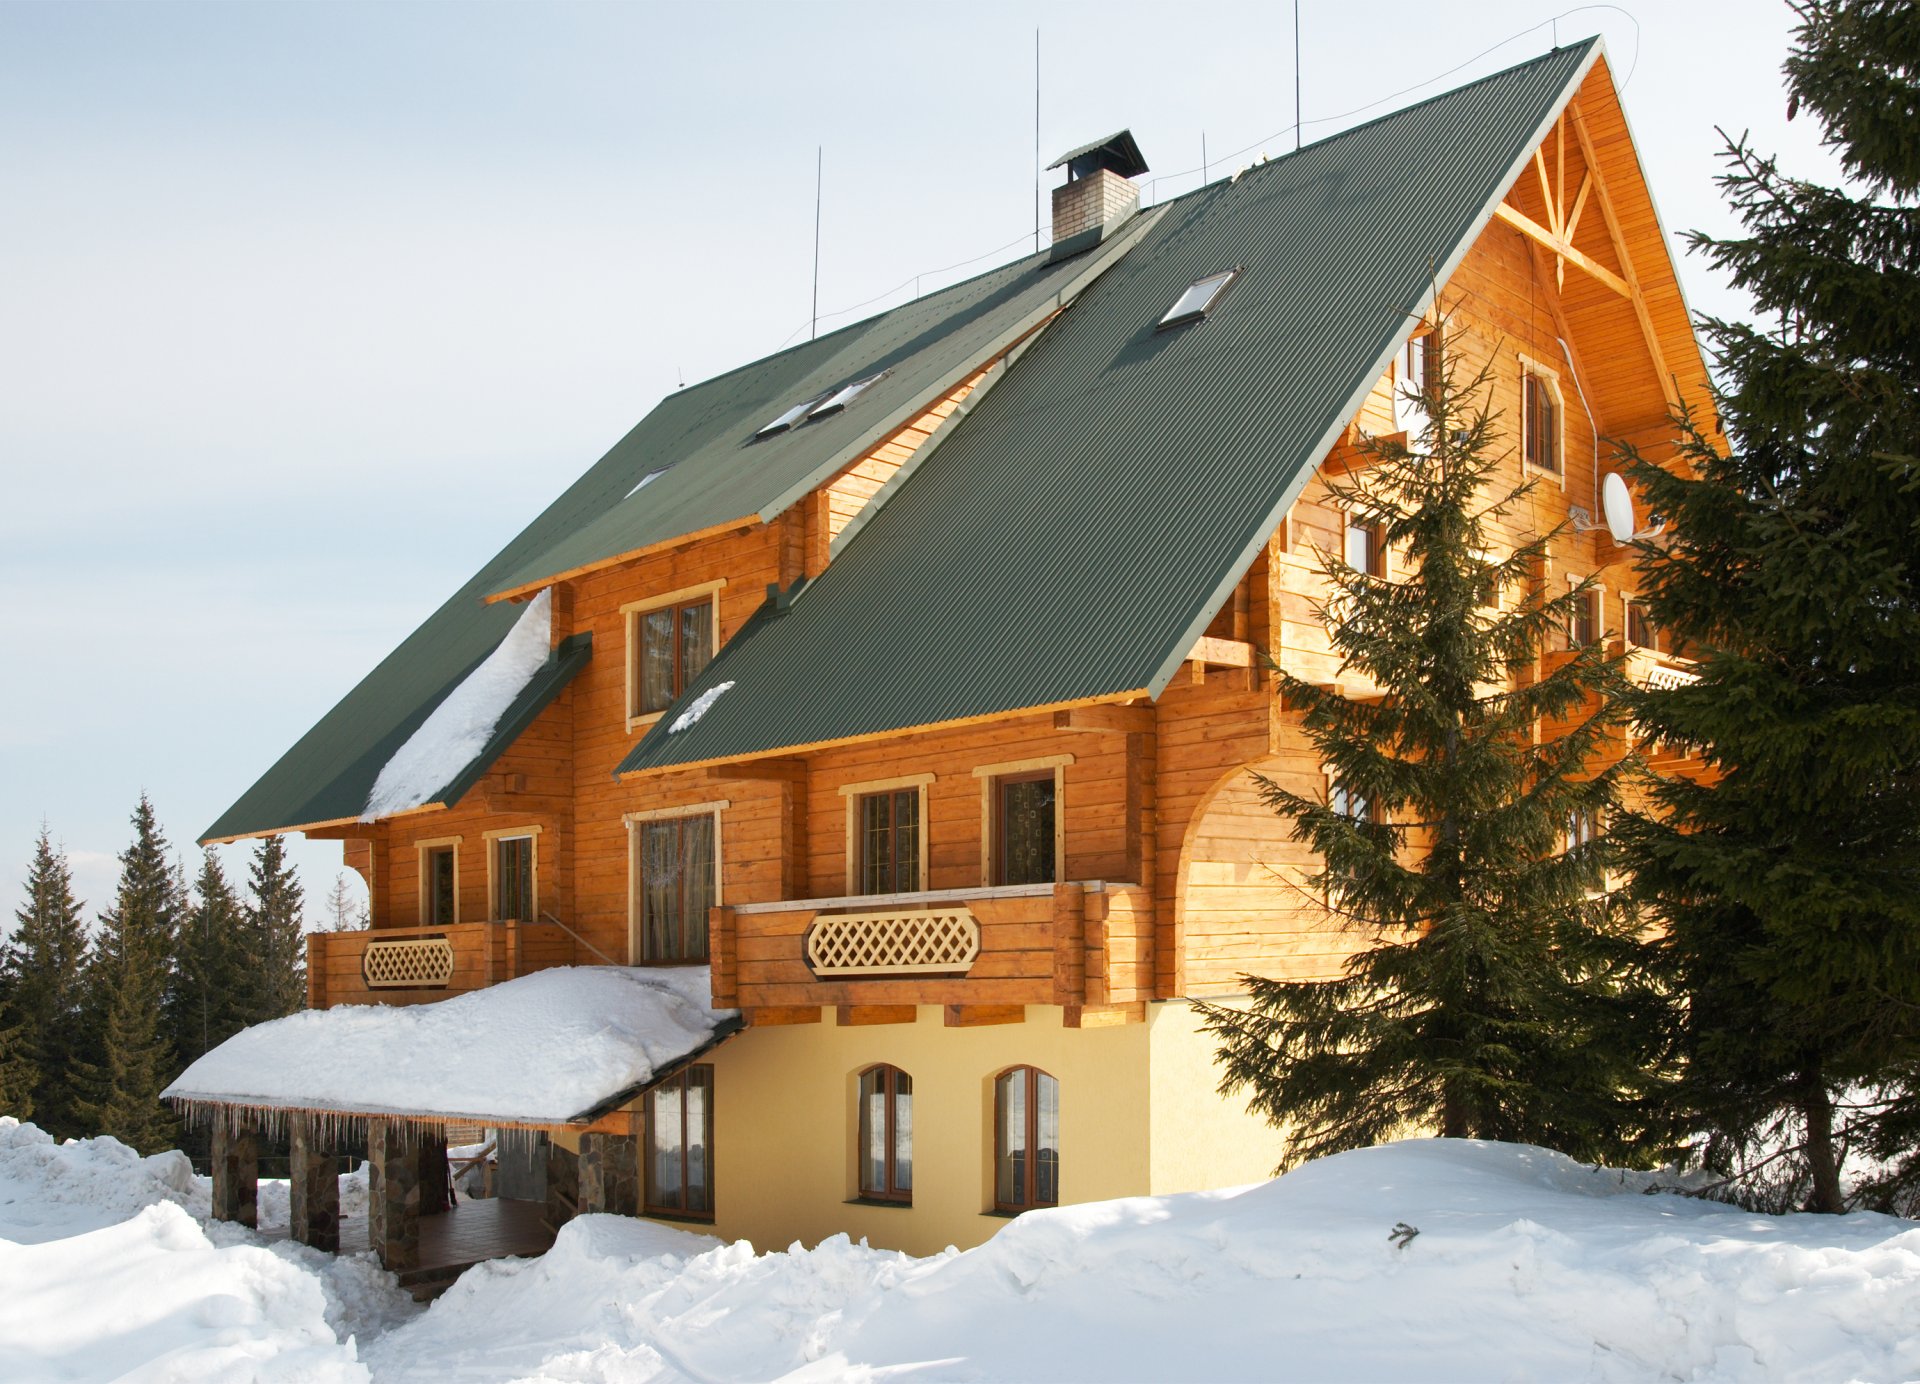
306	308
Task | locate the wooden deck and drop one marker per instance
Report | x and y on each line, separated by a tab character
450	1244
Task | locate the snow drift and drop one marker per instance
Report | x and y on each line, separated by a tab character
540	1049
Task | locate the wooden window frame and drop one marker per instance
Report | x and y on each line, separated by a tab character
853	793
678	1082
1030	1162
1596	614
1348	522
423	850
636	947
892	1193
1629	602
1549	380
991	776
493	839
630	616
1427	340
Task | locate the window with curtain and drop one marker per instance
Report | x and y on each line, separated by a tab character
1023	828
671	645
441	910
1364	550
513	878
886	1134
1026	1118
888	838
1539	422
1641	631
679	1171
1583	626
675	871
1349	802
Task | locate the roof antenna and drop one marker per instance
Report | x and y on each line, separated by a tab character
1203	158
1036	139
819	162
1296	76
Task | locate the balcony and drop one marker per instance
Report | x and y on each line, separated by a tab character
419	965
1657	672
1086	947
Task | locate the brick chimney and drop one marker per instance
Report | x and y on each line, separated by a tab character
1099	185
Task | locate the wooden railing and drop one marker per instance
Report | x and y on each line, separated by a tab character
1084	946
419	965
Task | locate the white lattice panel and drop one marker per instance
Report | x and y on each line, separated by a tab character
1661	678
898	942
415	963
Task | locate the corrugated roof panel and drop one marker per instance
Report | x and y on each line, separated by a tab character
1078	529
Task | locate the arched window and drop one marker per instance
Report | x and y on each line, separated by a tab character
886	1134
1026	1123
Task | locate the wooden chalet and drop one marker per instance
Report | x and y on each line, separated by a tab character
908	681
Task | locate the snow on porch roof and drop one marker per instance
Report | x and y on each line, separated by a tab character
550	1048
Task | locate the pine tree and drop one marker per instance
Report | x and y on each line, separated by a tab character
44	973
210	994
19	1073
345	913
1788	878
117	1082
277	935
1497	996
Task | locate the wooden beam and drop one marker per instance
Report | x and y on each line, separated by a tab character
858	1015
1104	1015
982	1015
1229	653
1571	226
780	1015
1667	387
1546	189
1532	229
1125	720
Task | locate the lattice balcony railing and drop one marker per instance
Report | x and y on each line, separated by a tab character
412	963
1664	677
897	942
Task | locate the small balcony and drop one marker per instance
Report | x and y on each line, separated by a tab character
1086	947
1657	671
419	965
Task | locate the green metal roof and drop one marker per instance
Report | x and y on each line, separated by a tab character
714	472
1079	528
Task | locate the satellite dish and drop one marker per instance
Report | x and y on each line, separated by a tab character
1616	503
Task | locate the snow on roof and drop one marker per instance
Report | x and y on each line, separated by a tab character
543	1049
701	706
459	728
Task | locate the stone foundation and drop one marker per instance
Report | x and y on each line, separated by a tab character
236	1173
393	1193
314	1184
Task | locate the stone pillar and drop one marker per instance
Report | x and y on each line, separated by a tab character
314	1180
609	1174
236	1171
393	1194
563	1185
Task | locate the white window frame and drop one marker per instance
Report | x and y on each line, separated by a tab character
990	776
421	849
630	614
633	821
531	833
1550	377
853	792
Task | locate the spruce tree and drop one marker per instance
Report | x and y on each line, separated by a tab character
117	1083
1787	877
44	973
276	931
1494	993
210	995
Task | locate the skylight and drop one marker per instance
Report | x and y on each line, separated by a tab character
791	418
645	481
845	395
1199	299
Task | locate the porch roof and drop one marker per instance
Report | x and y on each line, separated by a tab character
556	1047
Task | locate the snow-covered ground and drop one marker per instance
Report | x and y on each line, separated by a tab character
1520	1265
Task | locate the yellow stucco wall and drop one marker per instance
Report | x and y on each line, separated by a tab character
1199	1138
1138	1114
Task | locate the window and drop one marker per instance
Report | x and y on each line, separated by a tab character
844	395
1365	552
1583	828
1026	1123
1420	362
679	1172
886	1134
677	874
1349	802
675	642
889	839
439	884
512	867
1539	420
1641	631
1583	624
1024	808
792	418
1199	299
